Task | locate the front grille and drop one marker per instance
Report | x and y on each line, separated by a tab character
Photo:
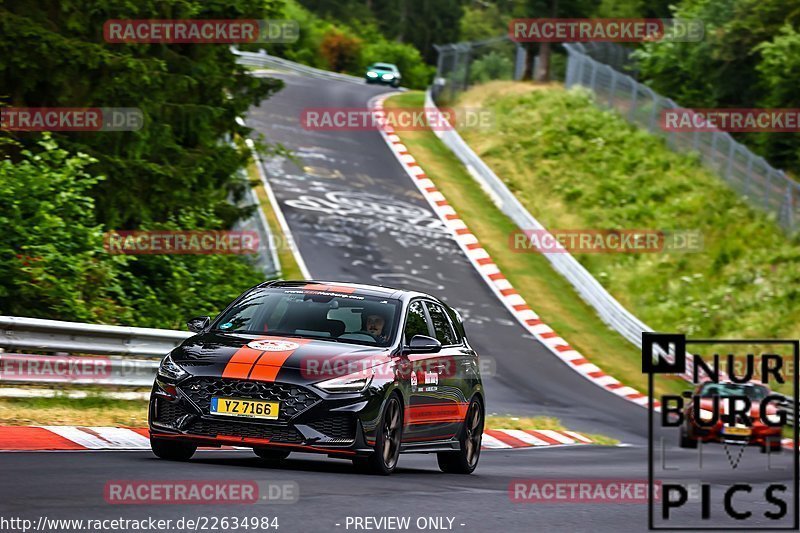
335	427
215	428
293	399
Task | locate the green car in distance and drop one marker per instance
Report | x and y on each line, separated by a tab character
384	73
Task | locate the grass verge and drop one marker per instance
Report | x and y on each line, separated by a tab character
545	290
289	268
576	166
62	411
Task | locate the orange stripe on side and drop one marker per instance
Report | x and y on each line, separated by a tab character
269	364
433	413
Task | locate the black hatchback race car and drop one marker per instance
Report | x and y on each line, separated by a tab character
353	371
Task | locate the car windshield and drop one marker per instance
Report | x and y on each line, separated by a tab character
725	390
317	314
383	66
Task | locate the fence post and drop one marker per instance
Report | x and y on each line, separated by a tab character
519	64
713	151
594	73
581	61
634	94
749	176
731	151
789	207
613	88
766	190
654	100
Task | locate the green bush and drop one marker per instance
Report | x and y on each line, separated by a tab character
748	58
492	66
319	38
53	264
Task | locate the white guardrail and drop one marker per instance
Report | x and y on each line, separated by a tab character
116	349
264	60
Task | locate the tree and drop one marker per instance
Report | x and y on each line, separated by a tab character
748	58
190	95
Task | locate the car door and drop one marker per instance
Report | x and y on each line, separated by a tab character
435	405
416	323
446	368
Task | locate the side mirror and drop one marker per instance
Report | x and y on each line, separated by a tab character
423	344
198	324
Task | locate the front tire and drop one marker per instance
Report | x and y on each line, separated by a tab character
172	450
465	460
383	460
686	441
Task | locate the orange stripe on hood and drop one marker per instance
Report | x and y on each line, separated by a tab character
268	365
247	362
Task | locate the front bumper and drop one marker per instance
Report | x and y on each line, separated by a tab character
393	81
760	434
308	419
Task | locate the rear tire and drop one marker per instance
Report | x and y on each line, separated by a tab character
686	441
465	460
772	445
271	454
383	460
172	450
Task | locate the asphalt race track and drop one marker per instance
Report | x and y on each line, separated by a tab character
356	216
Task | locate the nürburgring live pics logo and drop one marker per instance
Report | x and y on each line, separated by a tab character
734	405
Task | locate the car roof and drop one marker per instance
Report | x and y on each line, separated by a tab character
361	289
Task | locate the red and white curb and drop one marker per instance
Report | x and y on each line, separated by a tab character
500	439
96	438
63	438
491	274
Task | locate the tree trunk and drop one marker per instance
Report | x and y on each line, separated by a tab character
543	69
543	64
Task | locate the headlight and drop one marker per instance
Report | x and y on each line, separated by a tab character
387	76
169	369
774	418
372	74
706	415
352	383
